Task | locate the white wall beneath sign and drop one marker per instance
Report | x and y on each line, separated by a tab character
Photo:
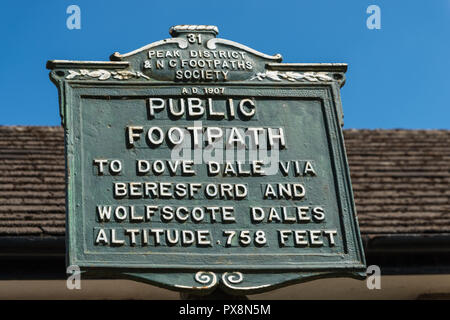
392	287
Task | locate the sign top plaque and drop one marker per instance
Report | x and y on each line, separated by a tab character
195	162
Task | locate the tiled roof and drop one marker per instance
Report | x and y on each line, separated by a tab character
32	196
401	180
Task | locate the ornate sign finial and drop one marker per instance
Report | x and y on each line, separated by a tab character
191	28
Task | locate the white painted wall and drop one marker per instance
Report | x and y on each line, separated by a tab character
392	287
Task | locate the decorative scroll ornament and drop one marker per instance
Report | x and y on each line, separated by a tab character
231	280
209	279
102	74
293	76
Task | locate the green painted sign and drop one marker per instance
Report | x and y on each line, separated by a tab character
195	162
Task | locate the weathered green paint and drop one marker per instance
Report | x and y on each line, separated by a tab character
99	100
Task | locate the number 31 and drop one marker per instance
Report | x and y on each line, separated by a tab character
192	38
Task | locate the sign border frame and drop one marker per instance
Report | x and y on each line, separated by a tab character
329	100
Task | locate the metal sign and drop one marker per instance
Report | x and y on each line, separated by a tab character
195	162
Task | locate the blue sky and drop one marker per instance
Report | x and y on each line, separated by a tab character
398	76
